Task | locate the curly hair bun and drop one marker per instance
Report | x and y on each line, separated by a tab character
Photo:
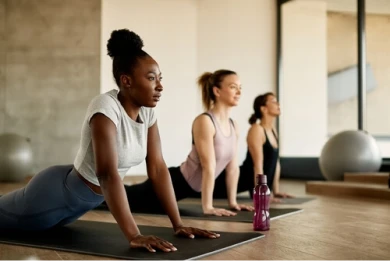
123	42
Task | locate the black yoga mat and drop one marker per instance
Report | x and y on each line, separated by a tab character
106	239
194	211
294	201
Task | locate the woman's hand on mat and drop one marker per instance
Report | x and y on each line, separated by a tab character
218	212
151	242
242	207
192	232
282	195
275	200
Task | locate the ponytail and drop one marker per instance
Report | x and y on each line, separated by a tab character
204	82
252	119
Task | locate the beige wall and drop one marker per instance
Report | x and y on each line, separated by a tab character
350	6
188	37
2	63
303	95
168	29
241	36
342	52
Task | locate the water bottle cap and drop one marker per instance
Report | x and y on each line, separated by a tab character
261	179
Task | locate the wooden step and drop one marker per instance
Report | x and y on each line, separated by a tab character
342	188
366	177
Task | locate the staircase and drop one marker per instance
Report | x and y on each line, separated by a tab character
362	184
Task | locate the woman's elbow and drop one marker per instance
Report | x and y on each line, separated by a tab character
106	177
157	171
234	171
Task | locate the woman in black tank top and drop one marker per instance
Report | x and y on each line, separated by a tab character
270	159
263	159
263	150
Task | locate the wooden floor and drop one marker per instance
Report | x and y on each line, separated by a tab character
328	228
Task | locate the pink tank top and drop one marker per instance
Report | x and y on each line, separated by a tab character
224	149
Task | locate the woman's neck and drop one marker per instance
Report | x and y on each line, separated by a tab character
221	112
131	109
267	122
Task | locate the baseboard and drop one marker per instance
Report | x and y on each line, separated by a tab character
385	165
304	168
308	168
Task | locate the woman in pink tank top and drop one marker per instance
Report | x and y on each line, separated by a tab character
214	150
215	137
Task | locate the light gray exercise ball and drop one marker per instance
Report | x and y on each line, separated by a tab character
15	157
349	151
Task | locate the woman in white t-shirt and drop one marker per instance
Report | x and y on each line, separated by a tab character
119	131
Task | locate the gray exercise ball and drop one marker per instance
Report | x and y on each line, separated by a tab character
15	157
349	151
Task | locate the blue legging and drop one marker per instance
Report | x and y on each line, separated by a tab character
54	197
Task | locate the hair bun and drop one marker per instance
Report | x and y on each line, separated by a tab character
123	42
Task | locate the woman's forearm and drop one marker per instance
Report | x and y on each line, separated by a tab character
276	179
163	188
275	186
232	176
116	199
207	188
258	169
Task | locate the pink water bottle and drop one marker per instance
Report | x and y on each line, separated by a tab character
261	198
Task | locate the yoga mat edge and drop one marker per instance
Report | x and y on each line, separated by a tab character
89	244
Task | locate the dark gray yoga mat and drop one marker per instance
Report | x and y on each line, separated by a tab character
285	201
194	211
294	201
106	239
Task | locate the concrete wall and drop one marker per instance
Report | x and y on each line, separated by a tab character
50	53
2	63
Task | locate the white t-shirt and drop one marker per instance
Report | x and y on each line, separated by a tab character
132	136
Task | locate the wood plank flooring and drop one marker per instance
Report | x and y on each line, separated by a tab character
330	227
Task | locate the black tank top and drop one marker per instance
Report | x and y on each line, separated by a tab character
270	160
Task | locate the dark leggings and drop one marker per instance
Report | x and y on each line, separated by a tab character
142	197
245	183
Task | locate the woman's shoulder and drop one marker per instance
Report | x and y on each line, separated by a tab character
256	130
148	115
203	117
256	127
146	111
104	102
203	123
106	99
